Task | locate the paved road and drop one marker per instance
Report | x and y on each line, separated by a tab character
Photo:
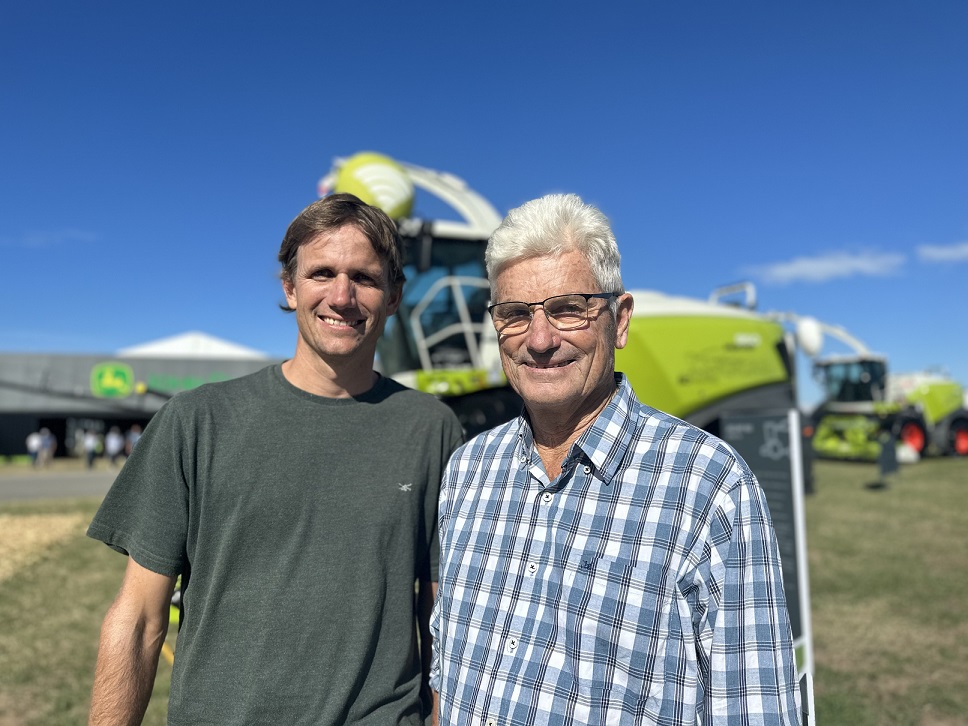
53	484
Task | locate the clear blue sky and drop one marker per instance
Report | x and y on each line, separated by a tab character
152	155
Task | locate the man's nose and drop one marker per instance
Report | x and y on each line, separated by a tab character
342	292
542	335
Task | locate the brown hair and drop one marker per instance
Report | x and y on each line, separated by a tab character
333	212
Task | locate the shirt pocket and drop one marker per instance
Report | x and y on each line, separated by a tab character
616	623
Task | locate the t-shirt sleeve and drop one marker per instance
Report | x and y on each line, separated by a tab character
145	513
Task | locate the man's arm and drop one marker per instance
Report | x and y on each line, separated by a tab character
426	594
132	634
751	640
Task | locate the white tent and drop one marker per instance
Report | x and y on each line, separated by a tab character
192	345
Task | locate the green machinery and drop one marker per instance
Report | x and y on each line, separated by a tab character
865	407
697	359
716	362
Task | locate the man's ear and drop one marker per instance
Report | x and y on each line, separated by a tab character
623	318
288	289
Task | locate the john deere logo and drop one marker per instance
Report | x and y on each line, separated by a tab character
112	380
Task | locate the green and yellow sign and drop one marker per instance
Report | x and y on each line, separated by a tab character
112	380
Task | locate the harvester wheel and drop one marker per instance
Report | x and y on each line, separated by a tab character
958	438
912	432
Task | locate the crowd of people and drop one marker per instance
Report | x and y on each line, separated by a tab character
89	444
115	447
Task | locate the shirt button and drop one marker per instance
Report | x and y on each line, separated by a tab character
588	470
512	645
524	459
547	497
491	722
532	568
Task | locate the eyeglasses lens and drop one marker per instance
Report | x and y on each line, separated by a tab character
564	311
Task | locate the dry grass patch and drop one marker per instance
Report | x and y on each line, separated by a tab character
51	609
24	539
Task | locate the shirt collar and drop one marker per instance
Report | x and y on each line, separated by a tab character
603	444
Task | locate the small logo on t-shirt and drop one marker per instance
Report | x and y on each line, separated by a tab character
405	487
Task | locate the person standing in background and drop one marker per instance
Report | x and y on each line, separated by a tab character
91	444
113	445
48	447
34	442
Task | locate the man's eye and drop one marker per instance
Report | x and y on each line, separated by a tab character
514	313
567	309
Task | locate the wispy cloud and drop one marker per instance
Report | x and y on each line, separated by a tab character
40	240
830	267
957	252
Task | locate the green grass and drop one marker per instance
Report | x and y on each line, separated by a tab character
888	579
889	586
51	612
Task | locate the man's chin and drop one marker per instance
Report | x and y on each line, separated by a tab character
543	395
337	348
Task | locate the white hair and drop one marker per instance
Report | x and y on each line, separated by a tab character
552	225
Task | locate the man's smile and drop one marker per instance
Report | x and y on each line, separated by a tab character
547	366
342	323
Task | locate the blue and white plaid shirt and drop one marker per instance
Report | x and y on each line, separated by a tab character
642	585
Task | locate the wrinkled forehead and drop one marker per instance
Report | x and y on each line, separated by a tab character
533	278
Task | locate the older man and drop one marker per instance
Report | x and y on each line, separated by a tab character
601	561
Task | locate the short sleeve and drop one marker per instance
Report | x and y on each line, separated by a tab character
145	513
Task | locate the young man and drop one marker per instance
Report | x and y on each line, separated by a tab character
298	504
601	561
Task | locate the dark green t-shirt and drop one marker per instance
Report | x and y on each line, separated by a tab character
299	524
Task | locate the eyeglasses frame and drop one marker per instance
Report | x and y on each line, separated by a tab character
531	306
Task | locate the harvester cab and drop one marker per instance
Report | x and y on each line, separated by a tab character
851	380
852	421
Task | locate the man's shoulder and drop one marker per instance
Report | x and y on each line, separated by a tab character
488	442
710	456
666	430
395	394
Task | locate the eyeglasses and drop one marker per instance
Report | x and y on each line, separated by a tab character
565	312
